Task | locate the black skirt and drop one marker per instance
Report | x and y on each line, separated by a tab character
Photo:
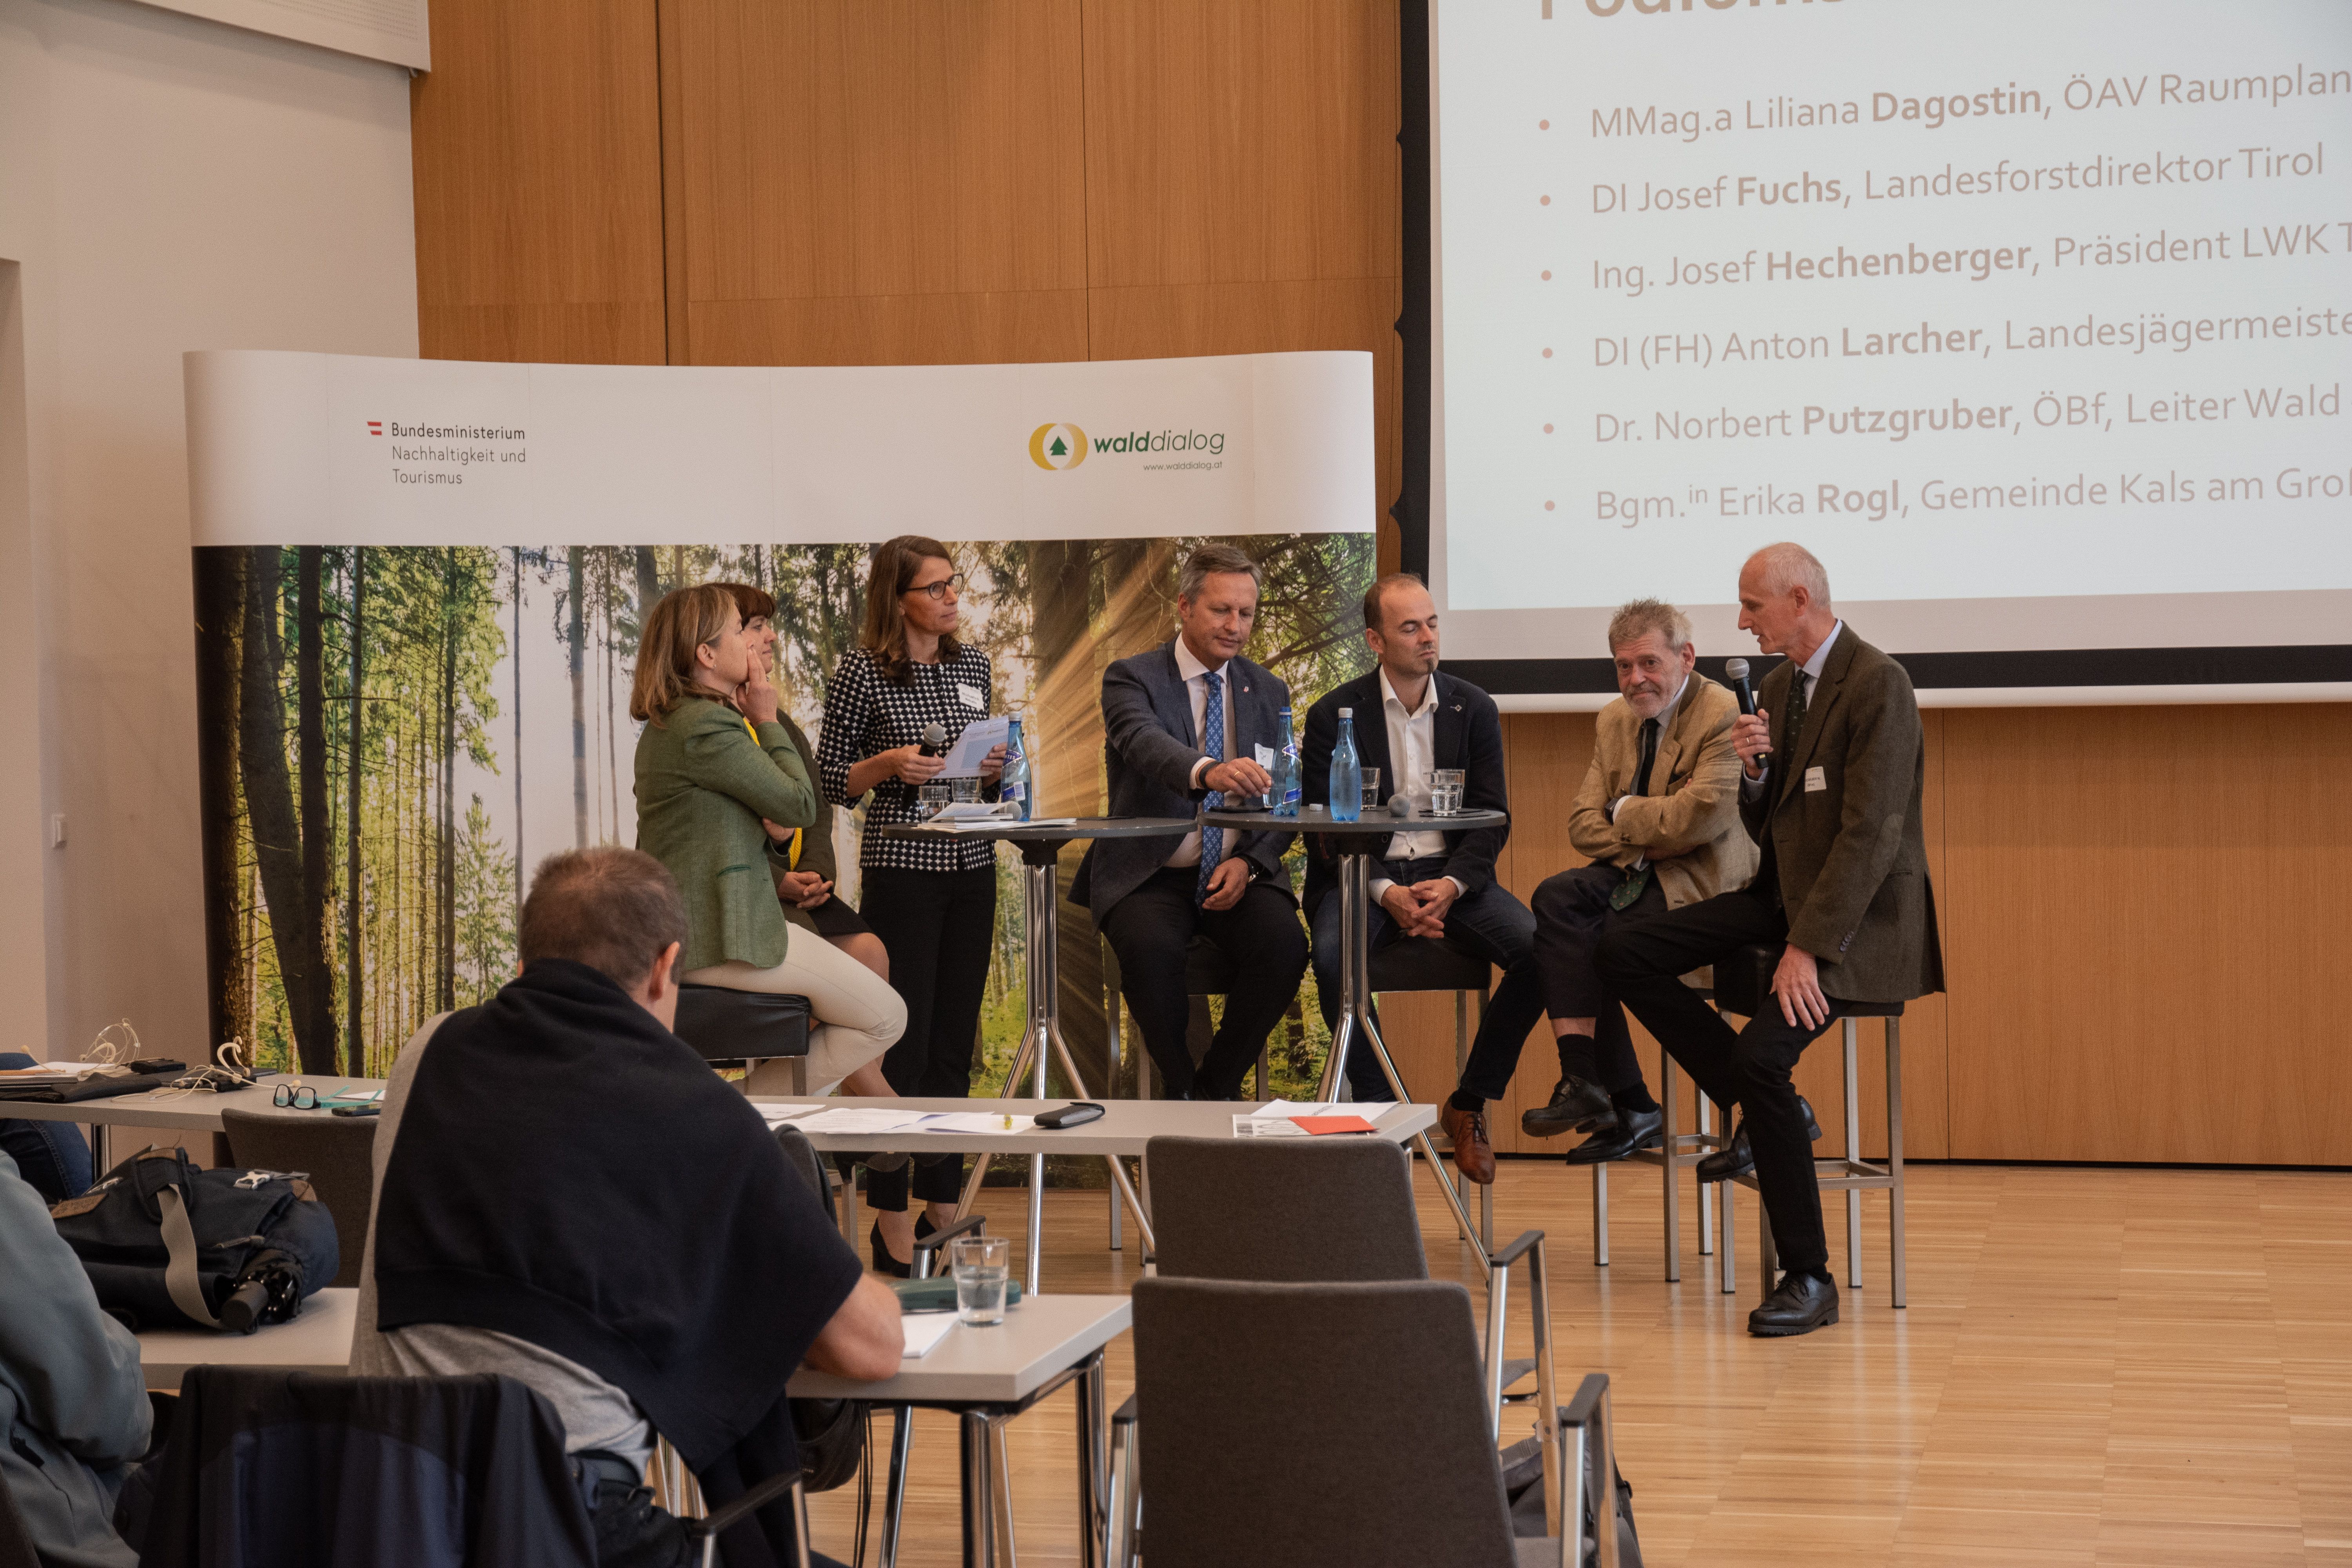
835	918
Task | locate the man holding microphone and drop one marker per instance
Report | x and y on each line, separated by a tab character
1831	769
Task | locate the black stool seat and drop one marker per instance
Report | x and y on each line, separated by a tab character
1743	985
724	1025
1421	964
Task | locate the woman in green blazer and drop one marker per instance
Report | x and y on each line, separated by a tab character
718	782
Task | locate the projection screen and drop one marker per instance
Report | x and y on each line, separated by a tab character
2032	321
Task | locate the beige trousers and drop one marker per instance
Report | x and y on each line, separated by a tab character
857	1015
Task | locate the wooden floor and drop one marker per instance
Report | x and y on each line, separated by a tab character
2096	1367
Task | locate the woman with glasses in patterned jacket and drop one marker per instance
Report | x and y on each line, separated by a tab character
932	902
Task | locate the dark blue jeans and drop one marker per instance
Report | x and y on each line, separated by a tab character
52	1155
1489	925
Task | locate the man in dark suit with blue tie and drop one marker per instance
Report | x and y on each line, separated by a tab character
1410	718
1183	727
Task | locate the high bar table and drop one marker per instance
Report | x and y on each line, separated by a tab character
1354	844
1040	844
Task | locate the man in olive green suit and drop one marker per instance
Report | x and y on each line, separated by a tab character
1831	769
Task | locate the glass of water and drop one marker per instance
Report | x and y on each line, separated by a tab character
965	790
929	798
1445	791
1372	798
981	1265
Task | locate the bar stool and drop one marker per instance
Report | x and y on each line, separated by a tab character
727	1027
1748	977
1678	1150
1423	963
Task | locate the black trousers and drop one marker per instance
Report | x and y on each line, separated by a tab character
1643	961
940	928
1150	930
1571	914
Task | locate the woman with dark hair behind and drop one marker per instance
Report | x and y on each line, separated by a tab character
933	904
718	781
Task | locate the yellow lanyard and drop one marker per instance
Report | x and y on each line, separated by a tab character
793	857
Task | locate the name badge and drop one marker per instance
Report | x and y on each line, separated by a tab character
979	704
1815	779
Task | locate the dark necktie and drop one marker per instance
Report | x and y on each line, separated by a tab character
1213	742
1649	755
1796	724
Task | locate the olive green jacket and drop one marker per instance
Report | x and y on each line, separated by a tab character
703	784
816	838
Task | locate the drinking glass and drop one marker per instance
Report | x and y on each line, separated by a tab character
965	790
1372	801
929	797
981	1265
1445	791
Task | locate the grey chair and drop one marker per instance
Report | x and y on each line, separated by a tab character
336	1152
1363	1397
1324	1209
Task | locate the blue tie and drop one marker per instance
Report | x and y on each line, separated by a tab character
1212	741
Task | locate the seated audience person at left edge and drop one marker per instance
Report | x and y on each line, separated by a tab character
52	1155
73	1406
1411	717
718	781
1182	725
566	1194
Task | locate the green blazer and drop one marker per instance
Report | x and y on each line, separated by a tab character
703	784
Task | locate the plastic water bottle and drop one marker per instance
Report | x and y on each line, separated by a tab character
1015	784
1347	771
1286	772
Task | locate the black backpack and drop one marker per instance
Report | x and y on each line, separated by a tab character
169	1246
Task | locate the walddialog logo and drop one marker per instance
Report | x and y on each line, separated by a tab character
1057	446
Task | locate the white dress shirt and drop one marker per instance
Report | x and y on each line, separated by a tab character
1413	751
1196	677
1809	672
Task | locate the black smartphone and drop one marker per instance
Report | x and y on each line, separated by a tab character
1078	1113
357	1110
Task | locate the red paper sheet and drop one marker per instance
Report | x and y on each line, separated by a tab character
1319	1125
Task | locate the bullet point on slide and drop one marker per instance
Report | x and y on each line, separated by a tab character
1546	353
1543	124
1546	506
1547	277
1543	201
1546	429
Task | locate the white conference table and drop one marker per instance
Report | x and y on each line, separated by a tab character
1121	1132
178	1112
317	1341
986	1376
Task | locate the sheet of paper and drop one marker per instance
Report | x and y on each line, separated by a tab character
1288	1109
355	1096
925	1331
1267	1127
781	1113
971	748
848	1122
994	1122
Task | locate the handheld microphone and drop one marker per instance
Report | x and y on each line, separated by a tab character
1736	672
935	737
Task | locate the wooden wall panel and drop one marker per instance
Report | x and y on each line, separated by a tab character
869	160
2144	929
536	147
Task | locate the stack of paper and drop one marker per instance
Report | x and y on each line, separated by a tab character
1290	1111
47	1075
925	1331
848	1122
995	1121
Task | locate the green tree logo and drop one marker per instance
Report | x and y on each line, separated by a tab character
1057	446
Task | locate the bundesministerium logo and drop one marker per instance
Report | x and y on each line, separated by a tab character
1060	445
1064	445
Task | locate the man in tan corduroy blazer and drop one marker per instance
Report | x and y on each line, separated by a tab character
1659	819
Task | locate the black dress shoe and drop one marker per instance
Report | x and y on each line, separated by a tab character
1575	1106
1725	1164
1800	1305
883	1262
1634	1130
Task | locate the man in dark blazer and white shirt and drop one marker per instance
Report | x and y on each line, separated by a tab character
1183	726
1411	717
1831	775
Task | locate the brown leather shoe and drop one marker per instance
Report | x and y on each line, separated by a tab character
1472	1154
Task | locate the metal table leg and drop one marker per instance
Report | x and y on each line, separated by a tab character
1355	1019
1043	925
979	1491
1093	1478
893	1499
